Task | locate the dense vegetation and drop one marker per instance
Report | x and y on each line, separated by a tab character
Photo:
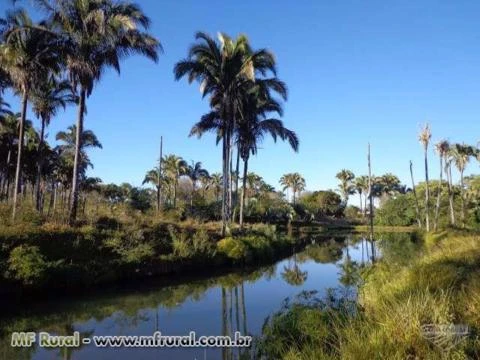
437	286
62	229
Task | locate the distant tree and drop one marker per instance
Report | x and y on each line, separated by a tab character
293	181
424	138
346	185
442	148
461	155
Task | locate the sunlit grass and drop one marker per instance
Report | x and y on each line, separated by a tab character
440	287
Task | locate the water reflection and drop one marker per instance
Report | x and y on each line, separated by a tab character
215	306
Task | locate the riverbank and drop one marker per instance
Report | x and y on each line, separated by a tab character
439	286
61	259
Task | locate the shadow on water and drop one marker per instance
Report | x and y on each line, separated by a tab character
219	305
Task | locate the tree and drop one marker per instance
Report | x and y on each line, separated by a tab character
361	186
97	34
67	149
47	97
254	125
461	154
346	183
294	181
27	52
222	69
195	172
174	167
215	182
442	148
155	178
424	138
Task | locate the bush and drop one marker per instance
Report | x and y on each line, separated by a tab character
233	248
397	211
322	203
27	265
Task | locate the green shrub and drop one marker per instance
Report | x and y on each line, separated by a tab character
233	248
397	211
27	265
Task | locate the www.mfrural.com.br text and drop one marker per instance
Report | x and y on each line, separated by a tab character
47	340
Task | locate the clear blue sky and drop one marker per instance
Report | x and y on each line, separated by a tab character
357	72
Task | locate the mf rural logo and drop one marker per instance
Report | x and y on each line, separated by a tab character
445	336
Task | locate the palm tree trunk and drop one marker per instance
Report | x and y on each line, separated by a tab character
437	206
76	164
427	195
360	196
371	203
226	185
18	170
244	185
450	194
417	208
462	197
237	173
38	202
294	192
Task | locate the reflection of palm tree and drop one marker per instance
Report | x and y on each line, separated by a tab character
348	272
293	275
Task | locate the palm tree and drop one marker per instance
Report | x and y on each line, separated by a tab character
442	148
155	178
8	139
448	173
294	181
195	172
174	167
461	154
97	34
215	182
47	97
27	52
361	186
67	150
222	68
424	138
254	125
346	183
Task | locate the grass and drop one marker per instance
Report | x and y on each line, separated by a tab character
442	286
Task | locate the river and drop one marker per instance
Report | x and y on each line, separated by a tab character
209	306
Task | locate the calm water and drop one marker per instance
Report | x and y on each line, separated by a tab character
214	306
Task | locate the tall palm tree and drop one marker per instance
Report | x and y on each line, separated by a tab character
222	68
47	97
361	186
97	34
157	179
9	125
174	167
27	52
346	185
215	182
442	148
293	181
254	124
67	149
424	138
195	172
461	154
448	173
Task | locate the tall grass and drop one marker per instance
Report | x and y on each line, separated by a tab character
440	287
